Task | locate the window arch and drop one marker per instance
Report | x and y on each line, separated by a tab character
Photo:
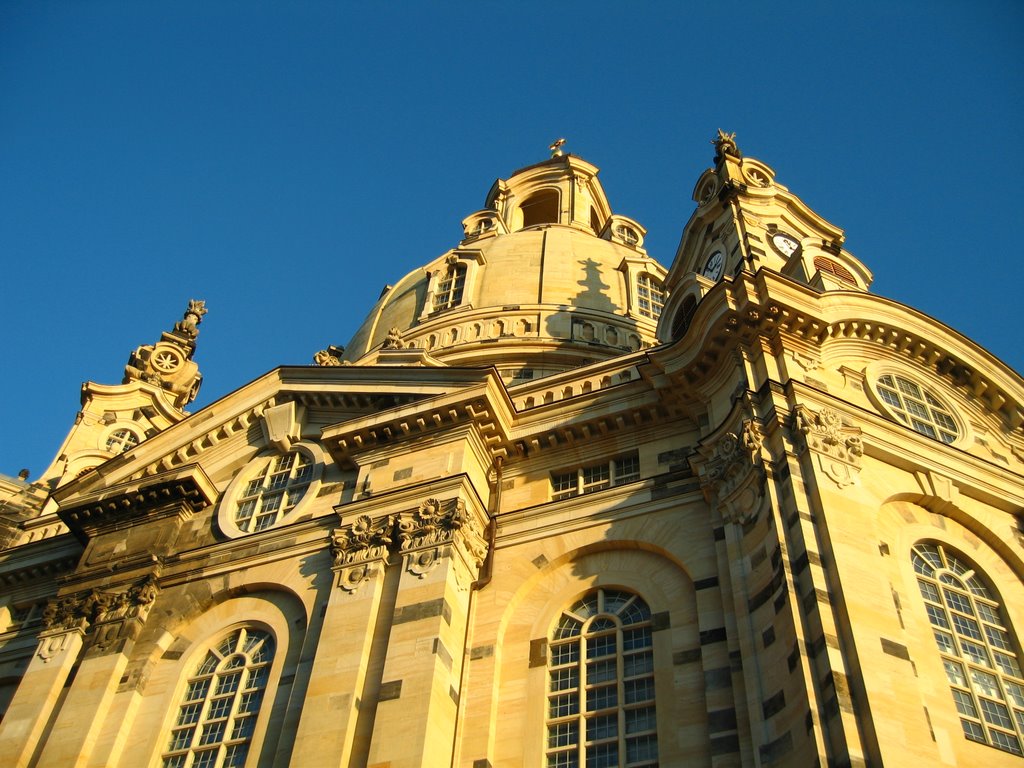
979	652
217	716
600	702
917	407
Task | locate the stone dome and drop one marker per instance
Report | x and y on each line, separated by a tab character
546	278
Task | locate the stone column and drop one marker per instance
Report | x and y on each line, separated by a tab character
339	677
442	548
33	703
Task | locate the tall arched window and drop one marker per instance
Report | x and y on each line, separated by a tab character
450	286
600	704
978	650
215	722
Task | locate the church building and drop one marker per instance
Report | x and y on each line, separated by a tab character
555	504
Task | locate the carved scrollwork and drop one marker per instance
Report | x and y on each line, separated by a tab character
837	445
365	539
109	617
732	473
428	534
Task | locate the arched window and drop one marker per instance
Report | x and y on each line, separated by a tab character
215	722
541	208
978	650
684	315
650	294
600	703
450	286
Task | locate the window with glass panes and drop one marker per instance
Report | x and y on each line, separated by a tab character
595	477
980	656
600	701
274	492
916	407
449	289
214	725
122	440
650	296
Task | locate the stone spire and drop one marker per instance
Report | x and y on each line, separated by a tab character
168	363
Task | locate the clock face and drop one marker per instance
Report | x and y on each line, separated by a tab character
713	266
785	244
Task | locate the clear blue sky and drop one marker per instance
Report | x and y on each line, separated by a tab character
284	161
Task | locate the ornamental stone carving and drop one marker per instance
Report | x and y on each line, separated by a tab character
732	473
110	618
359	548
836	444
427	535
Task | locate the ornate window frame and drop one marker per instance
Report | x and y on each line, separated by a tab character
261	468
910	412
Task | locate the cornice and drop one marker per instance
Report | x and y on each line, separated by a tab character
485	406
179	492
766	304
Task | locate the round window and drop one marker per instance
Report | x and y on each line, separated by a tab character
916	407
279	484
121	440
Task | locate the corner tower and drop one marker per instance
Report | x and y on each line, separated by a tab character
545	278
159	381
746	220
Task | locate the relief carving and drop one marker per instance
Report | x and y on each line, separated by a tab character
837	445
110	618
732	473
427	535
359	547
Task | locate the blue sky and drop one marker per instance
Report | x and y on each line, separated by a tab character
284	161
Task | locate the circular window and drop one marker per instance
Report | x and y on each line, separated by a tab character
916	407
271	489
121	440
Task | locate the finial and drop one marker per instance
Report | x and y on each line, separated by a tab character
189	323
725	144
556	147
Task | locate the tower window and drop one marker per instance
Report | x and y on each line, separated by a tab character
600	702
917	407
976	643
274	492
122	440
217	717
650	295
450	287
540	208
835	268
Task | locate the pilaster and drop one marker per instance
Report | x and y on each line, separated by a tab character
441	549
341	675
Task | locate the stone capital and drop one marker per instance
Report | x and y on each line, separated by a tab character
732	474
